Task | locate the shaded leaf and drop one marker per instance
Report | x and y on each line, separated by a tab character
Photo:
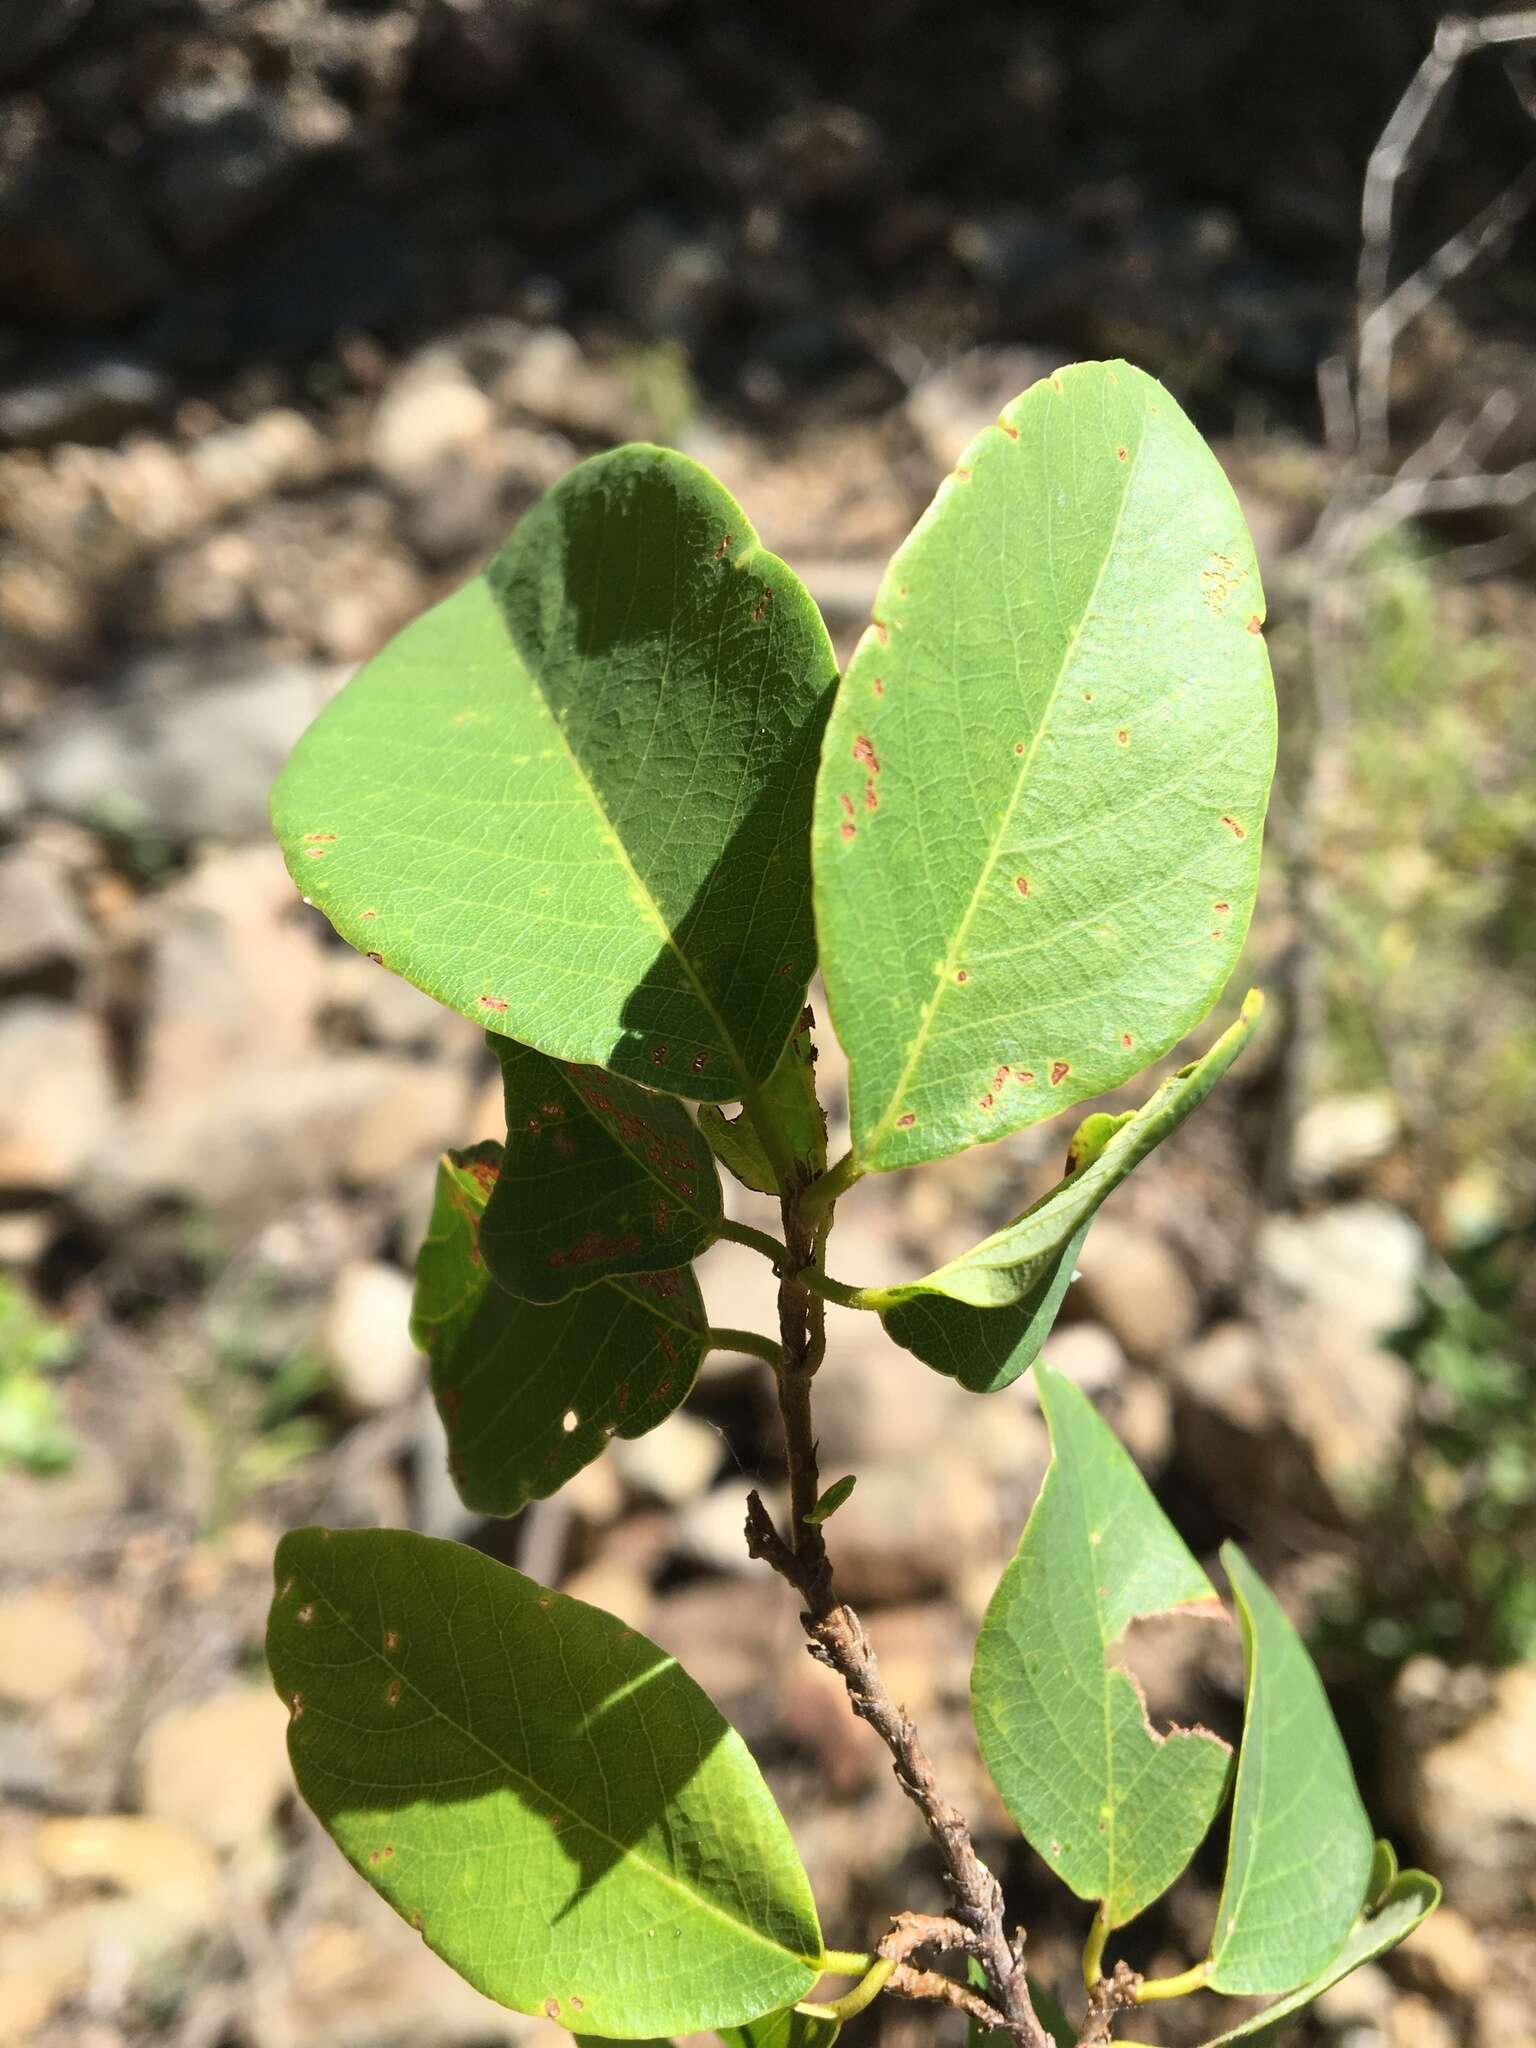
530	1393
1043	784
573	799
795	1121
1115	1808
546	1795
785	2028
1410	1899
1007	1267
1301	1851
598	1178
986	1348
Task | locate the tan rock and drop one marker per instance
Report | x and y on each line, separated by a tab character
1473	1799
55	1092
158	1863
1135	1285
47	1647
365	1337
1446	1953
1416	2023
218	1767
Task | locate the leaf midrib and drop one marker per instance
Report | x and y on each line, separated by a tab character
624	1852
930	1009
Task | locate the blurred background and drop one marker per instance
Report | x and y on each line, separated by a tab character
300	306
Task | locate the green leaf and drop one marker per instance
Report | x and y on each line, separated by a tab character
1042	790
544	1793
831	1500
573	799
794	1118
1410	1899
1301	1851
985	1349
1113	1807
785	2028
1008	1267
599	1178
530	1393
1047	2011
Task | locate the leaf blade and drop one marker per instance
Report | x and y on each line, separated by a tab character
614	1359
1301	1848
598	1178
572	800
478	1790
1115	1808
1408	1901
1016	738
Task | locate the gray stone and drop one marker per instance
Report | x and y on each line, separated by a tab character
673	1463
364	1338
91	401
1337	1138
1134	1283
41	923
1472	1802
1359	1263
178	761
56	1095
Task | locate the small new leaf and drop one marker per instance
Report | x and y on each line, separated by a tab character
1300	1857
542	1792
1113	1806
786	2028
598	1178
831	1500
573	800
790	1120
530	1393
1042	790
1410	1898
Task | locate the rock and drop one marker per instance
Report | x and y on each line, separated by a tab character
1415	2023
548	377
1472	1801
41	924
1088	1355
1364	1999
56	1094
27	32
710	1530
671	1464
732	1635
279	450
91	399
47	1647
365	1340
414	1111
147	1859
1446	1955
74	242
433	411
218	1767
186	755
1134	1284
1503	2019
948	408
1337	1138
223	154
1359	1263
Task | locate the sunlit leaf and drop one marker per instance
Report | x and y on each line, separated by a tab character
573	800
1301	1851
1113	1806
548	1797
1042	790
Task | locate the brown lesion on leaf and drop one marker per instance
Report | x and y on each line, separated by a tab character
391	1639
1021	883
764	600
392	1693
315	852
1255	624
864	753
986	1100
492	1002
1122	453
1123	737
295	1706
1126	1040
724	548
1009	429
1054	381
1025	1077
881	631
1233	826
905	1121
368	913
306	1613
961	474
700	1062
879	686
1221	906
848	830
962	975
871	797
552	2008
1018	746
377	959
1000	1077
1059	1071
1220	581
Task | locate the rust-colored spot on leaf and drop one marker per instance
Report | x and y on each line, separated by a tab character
881	631
962	975
392	1693
847	803
658	1056
724	548
700	1062
1255	624
374	1855
848	830
1221	906
307	1613
370	913
314	853
879	686
1025	1077
871	799
1055	382
864	753
1010	431
962	476
1000	1077
1021	883
1233	827
905	1123
1059	1071
986	1101
1018	746
317	837
296	1706
1123	737
578	2004
1087	696
552	2008
762	604
1126	1040
1122	455
391	1639
377	959
492	1002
